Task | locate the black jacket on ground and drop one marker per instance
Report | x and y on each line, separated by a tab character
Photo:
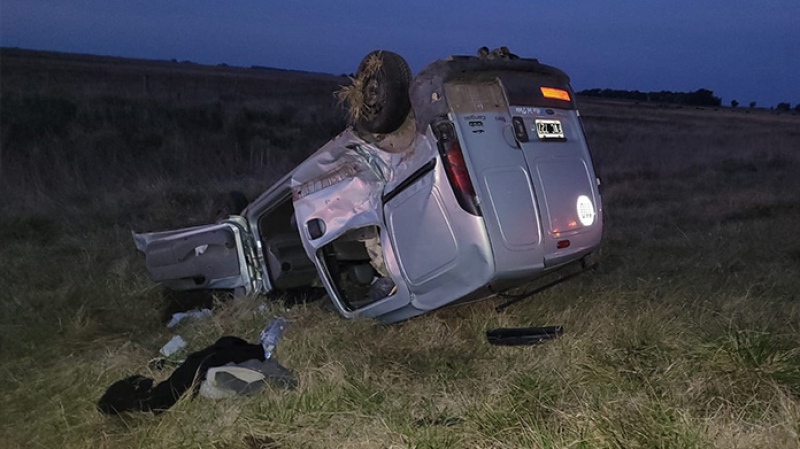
136	393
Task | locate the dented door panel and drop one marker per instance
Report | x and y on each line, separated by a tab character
338	189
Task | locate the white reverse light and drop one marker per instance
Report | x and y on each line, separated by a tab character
585	210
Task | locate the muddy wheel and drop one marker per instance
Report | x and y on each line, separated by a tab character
384	80
227	204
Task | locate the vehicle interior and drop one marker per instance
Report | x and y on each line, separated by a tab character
286	260
353	264
350	261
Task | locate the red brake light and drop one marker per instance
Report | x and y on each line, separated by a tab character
457	173
556	94
457	169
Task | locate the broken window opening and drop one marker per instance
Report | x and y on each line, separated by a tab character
288	265
356	268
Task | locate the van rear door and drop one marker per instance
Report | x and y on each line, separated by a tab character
532	169
500	174
547	128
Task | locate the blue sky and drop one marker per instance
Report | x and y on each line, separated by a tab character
743	50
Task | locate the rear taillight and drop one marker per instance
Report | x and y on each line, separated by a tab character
456	167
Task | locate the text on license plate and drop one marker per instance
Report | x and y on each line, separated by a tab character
549	129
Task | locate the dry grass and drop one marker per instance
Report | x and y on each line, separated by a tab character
96	124
686	336
352	95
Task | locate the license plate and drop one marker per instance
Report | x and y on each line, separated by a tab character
549	129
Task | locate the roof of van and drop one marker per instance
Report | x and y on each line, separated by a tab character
459	65
426	88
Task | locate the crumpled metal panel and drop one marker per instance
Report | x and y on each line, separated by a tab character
342	184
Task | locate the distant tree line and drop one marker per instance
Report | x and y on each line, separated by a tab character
700	97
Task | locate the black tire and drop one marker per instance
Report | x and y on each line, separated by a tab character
227	204
386	102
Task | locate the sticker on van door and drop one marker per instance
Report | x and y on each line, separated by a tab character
548	129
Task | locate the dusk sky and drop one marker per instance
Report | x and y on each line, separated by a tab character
743	50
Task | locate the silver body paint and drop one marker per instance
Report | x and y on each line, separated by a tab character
533	196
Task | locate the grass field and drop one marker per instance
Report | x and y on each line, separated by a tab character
687	335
